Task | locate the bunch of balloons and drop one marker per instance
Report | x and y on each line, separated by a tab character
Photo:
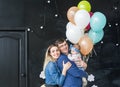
81	19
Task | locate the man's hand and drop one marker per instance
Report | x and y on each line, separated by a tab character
81	63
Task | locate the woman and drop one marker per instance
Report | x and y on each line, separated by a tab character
54	78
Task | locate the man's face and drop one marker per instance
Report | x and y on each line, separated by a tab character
63	47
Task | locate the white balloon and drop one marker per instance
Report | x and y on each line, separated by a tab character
82	18
73	33
69	25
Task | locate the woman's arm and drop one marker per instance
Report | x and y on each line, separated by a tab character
57	77
66	66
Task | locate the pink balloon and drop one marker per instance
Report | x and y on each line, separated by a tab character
88	26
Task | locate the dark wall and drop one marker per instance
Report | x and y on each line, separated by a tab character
32	14
37	14
11	13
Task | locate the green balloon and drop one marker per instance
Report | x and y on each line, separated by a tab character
84	5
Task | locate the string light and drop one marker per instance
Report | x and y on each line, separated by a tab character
115	7
28	29
48	1
117	44
56	15
109	25
41	27
116	11
101	42
44	15
116	24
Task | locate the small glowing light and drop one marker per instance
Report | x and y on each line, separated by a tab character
115	8
117	44
56	15
116	24
48	1
110	25
101	42
41	27
28	29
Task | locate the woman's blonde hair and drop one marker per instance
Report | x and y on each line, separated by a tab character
48	57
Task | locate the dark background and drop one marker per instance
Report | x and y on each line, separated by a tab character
104	62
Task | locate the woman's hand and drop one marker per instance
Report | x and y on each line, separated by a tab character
66	66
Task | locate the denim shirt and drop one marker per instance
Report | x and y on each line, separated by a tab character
53	75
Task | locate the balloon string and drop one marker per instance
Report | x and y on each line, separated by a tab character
86	57
56	6
94	51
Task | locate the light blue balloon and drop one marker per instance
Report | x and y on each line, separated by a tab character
96	36
97	21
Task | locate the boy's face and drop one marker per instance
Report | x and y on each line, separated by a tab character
63	47
73	52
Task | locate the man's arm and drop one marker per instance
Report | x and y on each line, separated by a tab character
81	63
73	70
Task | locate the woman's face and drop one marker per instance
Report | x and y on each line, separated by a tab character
55	52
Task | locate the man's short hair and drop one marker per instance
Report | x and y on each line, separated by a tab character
59	41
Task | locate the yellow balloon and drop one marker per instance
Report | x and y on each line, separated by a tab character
84	5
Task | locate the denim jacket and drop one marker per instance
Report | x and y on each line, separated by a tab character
53	74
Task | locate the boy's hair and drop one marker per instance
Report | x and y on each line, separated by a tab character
75	47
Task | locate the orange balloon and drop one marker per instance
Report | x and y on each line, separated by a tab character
86	45
71	12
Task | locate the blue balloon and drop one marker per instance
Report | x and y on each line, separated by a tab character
96	36
97	21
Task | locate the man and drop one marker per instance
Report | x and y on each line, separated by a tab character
63	46
74	75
